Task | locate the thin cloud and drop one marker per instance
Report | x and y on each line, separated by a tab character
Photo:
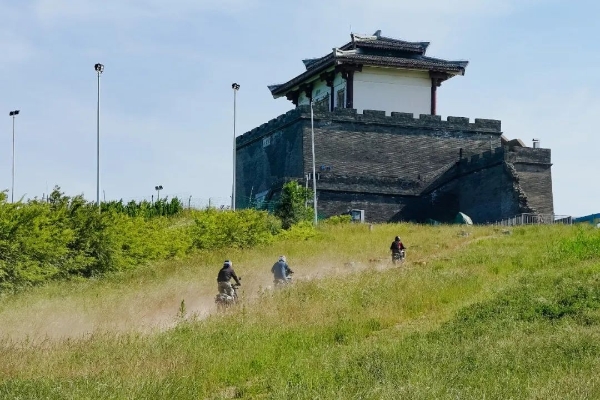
51	11
167	102
14	49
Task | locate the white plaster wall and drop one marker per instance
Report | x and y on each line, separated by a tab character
302	99
320	90
392	90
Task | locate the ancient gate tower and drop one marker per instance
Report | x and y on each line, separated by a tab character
380	147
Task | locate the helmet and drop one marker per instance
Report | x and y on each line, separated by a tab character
282	258
397	238
227	263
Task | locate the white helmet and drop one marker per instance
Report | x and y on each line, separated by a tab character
282	258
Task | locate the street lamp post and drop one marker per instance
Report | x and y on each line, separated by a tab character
158	189
235	88
314	172
13	114
99	69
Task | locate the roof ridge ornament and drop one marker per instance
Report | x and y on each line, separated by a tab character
340	53
356	37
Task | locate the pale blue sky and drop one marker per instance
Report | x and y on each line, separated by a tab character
167	104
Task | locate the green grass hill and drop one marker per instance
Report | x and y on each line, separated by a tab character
474	313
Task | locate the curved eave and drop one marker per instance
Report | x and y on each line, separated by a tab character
420	64
281	89
308	63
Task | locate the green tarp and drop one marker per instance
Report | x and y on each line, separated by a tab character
462	218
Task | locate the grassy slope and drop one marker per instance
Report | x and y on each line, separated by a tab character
488	315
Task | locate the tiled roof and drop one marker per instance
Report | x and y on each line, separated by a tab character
385	43
396	53
421	62
311	61
379	43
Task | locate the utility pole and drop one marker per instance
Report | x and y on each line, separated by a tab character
99	69
314	174
235	88
13	114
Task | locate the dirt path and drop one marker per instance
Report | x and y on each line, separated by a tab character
151	308
143	309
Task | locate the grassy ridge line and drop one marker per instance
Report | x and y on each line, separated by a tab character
526	327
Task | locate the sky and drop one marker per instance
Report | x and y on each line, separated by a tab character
166	108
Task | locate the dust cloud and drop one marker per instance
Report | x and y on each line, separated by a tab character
146	309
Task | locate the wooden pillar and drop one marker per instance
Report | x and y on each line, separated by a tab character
332	100
328	78
434	86
436	81
347	71
349	89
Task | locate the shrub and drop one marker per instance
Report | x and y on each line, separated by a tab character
242	228
68	236
291	208
303	230
338	219
146	209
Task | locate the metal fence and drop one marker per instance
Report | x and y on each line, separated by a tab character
197	203
536	219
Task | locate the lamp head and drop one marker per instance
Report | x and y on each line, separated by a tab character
235	86
99	68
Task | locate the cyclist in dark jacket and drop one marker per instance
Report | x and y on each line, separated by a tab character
225	275
396	249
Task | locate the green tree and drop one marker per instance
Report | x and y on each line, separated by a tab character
292	208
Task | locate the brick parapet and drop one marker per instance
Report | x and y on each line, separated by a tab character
482	160
529	155
424	122
269	127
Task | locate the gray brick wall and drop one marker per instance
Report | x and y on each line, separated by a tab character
535	178
402	147
396	167
260	167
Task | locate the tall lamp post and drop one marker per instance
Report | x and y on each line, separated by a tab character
314	172
158	189
13	114
99	69
235	88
